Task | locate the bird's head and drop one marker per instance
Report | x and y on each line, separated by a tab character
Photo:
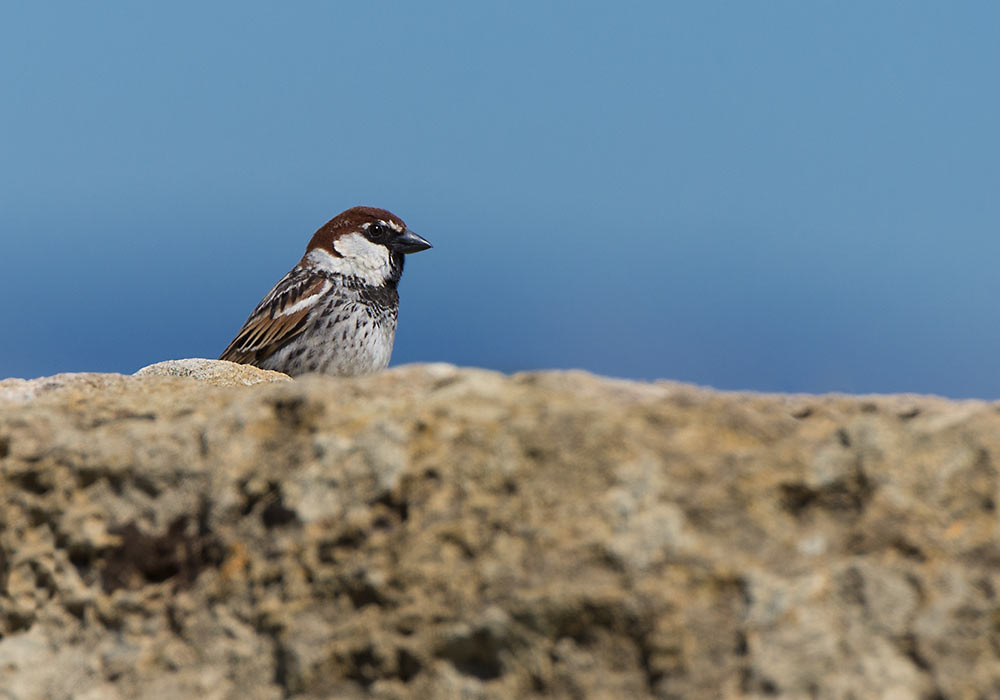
366	242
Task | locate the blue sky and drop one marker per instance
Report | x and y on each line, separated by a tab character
778	196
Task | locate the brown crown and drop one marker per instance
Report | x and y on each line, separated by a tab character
349	221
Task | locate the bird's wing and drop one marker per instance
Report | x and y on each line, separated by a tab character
280	316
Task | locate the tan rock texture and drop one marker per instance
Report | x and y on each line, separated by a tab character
217	372
434	532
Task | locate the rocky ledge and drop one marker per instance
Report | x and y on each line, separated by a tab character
437	532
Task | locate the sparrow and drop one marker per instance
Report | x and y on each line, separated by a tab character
335	311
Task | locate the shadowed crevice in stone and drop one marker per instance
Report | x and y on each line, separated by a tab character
31	481
269	504
297	412
142	558
476	654
847	496
3	567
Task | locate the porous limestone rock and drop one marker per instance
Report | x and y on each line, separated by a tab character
434	532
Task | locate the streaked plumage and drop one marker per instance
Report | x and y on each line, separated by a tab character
335	312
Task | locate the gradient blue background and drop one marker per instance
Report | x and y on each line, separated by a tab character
773	195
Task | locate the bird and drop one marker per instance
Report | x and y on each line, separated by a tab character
334	312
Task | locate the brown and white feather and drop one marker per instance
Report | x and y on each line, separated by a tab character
280	316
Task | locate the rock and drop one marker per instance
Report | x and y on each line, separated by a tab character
217	372
439	532
83	384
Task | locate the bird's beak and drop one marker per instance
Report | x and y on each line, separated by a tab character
409	242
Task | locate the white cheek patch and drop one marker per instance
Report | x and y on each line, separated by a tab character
364	253
361	258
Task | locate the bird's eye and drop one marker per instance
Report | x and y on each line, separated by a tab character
376	231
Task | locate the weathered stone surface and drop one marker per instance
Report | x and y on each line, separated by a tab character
75	386
217	372
441	533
